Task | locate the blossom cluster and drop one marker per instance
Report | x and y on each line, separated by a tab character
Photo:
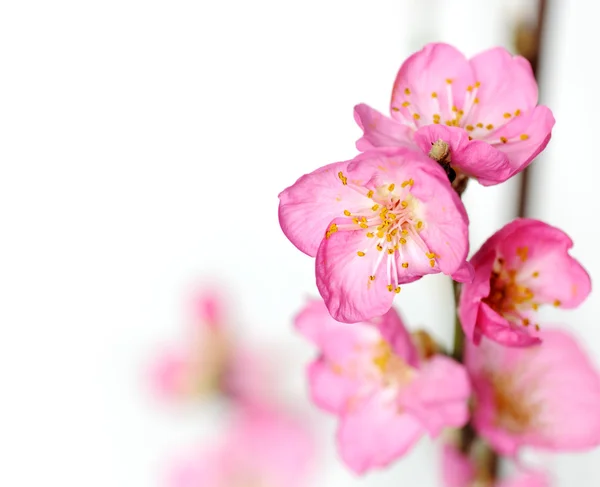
392	215
264	442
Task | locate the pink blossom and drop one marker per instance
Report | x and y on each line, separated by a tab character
459	470
262	447
546	397
522	266
380	220
208	360
371	376
485	109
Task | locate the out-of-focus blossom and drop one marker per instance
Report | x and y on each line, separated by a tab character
370	375
208	361
522	266
459	470
380	220
546	397
263	447
483	111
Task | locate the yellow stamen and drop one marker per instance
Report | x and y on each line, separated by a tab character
360	253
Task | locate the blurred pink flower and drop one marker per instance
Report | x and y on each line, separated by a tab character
380	220
546	397
458	470
370	375
262	447
522	266
208	360
484	108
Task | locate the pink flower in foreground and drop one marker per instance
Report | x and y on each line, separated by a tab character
207	361
458	470
546	397
485	109
380	220
263	447
522	266
370	375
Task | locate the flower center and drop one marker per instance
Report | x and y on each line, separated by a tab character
391	227
391	369
515	411
508	297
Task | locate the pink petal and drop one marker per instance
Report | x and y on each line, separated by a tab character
457	469
379	130
526	136
394	332
473	157
500	330
439	395
330	389
308	206
170	374
343	278
424	73
373	434
507	84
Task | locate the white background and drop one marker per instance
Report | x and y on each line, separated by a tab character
142	147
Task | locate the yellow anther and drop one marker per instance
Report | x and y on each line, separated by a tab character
430	255
363	219
404	203
404	232
405	265
480	125
504	140
535	306
436	116
379	247
391	251
469	88
363	225
391	216
419	224
524	136
405	104
385	210
454	109
526	321
395	109
522	253
470	138
347	213
397	290
489	126
360	253
517	113
394	232
535	274
556	303
355	220
388	237
507	115
477	84
375	207
416	116
380	234
461	113
470	128
390	288
432	263
406	91
391	188
332	229
476	100
343	178
370	194
402	240
434	95
537	327
449	81
370	234
372	278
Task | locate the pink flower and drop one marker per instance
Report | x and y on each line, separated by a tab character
522	266
370	375
459	470
485	109
262	446
207	361
546	397
380	220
